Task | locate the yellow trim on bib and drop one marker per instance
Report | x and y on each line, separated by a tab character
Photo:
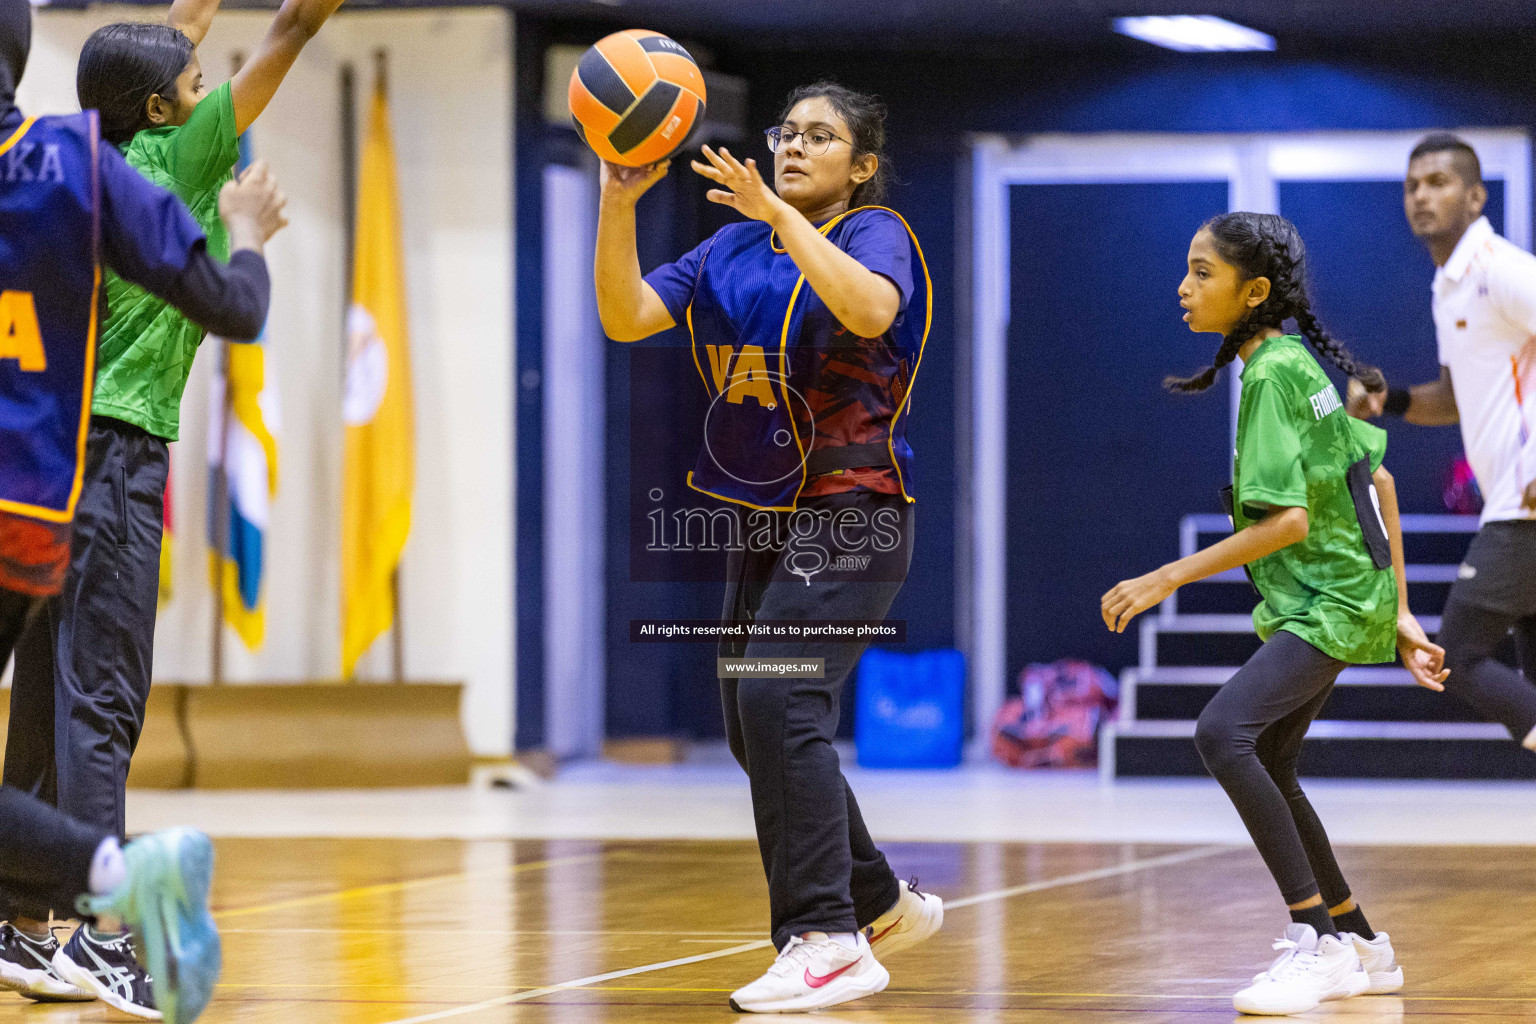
67	514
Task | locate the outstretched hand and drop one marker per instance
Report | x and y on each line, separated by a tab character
1423	660
745	190
628	184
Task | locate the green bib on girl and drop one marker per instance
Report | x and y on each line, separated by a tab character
1295	444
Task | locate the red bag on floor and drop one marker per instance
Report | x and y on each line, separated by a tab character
1054	722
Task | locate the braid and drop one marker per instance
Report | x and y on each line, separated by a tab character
1332	350
1206	377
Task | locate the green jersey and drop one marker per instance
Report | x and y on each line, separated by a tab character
1295	444
147	345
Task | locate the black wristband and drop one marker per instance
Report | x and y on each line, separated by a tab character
1397	402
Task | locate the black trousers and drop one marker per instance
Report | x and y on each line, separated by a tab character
1249	736
825	873
45	856
1495	594
83	664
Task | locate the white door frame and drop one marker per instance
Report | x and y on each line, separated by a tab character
575	656
1253	165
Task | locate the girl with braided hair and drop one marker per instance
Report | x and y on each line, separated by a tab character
1316	525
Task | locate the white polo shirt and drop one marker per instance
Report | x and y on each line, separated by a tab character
1485	325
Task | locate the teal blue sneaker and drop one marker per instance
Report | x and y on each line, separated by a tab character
164	903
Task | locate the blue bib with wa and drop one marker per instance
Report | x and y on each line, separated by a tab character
50	260
758	340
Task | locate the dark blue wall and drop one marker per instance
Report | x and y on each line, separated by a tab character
935	101
1102	460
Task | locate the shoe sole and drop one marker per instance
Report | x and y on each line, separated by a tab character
926	928
866	984
81	978
1354	984
40	986
179	938
1385	982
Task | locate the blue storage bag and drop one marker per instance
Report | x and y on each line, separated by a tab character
909	709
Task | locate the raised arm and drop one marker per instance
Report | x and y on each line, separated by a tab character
149	238
863	301
629	308
193	18
294	25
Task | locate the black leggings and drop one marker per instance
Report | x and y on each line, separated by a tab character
1250	736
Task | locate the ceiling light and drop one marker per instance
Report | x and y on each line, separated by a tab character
1194	33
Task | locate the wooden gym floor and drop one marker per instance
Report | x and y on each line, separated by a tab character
392	931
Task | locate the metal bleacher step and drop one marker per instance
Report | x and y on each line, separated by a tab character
1333	749
1198	623
1416	573
1362	694
1377	722
1215	675
1220	639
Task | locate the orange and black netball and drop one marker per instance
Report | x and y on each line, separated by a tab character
636	96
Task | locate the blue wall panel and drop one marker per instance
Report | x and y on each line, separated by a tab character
1102	460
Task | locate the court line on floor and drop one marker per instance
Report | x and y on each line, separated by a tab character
1126	868
402	886
1222	996
725	934
1166	860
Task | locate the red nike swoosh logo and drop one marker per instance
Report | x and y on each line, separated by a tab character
815	982
876	938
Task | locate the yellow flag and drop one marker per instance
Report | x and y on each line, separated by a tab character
376	407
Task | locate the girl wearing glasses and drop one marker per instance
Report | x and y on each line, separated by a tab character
808	320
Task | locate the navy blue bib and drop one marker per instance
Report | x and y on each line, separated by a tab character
759	334
49	204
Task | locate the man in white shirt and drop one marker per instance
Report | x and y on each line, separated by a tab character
1485	326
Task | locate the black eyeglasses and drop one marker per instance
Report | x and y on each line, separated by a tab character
815	141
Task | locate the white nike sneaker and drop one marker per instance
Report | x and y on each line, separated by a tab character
1309	971
1379	963
813	972
915	917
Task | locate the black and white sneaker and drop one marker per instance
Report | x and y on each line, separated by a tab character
26	967
105	965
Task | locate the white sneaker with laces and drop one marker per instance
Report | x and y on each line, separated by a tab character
1379	963
1309	971
915	917
26	967
811	973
